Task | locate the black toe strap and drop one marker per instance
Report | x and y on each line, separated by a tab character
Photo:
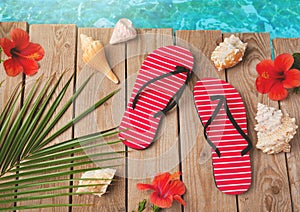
175	98
222	101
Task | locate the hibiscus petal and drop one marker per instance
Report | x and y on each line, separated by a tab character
292	78
12	67
265	66
264	85
284	62
20	38
6	46
175	187
162	202
278	92
33	51
141	186
161	180
179	199
30	67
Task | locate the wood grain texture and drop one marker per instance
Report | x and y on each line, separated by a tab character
275	183
270	187
59	43
162	155
202	194
9	82
291	106
105	117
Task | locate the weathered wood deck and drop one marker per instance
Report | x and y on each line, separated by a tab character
180	146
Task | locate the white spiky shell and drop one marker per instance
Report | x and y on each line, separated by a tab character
123	31
274	130
104	178
228	53
94	55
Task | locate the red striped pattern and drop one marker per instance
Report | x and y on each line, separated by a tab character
138	125
232	172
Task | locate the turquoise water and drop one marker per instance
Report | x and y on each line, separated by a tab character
280	18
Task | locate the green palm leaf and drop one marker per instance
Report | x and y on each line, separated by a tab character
25	153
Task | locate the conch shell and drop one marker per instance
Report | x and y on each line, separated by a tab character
228	53
104	178
94	56
123	31
274	130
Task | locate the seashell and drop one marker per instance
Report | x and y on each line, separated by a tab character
274	130
105	177
123	31
228	53
94	55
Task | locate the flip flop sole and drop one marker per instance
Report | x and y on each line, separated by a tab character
138	125
232	171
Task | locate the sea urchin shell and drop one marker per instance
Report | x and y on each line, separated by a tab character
274	130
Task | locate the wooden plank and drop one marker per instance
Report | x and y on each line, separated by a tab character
202	194
9	82
59	43
291	105
107	116
270	187
162	156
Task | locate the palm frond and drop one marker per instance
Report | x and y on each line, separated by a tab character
6	115
25	153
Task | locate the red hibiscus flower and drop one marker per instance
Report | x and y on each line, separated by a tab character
22	53
166	188
275	77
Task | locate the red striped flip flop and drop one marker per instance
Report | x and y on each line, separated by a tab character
223	115
158	86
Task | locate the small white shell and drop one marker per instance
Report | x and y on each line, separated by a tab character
228	53
123	31
274	130
105	177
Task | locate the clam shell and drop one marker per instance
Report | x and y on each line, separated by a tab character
274	130
94	55
105	177
123	31
228	53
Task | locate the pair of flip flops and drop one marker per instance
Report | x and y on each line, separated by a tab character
161	80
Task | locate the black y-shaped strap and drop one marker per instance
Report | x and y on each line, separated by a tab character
175	98
213	116
229	115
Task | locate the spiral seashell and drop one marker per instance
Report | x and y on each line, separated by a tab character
94	55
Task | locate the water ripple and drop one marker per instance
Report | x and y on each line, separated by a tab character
280	18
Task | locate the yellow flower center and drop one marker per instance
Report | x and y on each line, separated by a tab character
265	75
